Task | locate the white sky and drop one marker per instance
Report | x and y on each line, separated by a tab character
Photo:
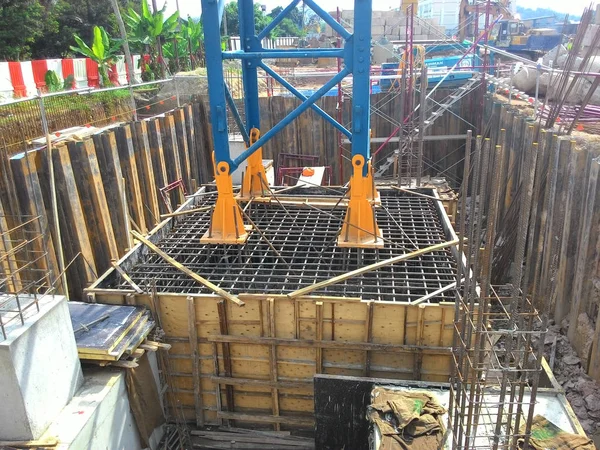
192	7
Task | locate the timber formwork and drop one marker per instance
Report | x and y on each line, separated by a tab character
256	363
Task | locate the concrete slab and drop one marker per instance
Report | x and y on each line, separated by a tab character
39	369
99	416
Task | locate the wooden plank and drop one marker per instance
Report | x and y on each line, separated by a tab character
112	178
93	199
284	420
132	177
319	328
158	160
195	363
263	383
227	366
369	337
147	178
31	203
273	361
217	290
348	345
191	142
171	156
576	172
182	145
371	267
587	261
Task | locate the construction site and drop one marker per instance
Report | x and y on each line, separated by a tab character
386	239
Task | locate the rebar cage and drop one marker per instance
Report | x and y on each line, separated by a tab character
305	239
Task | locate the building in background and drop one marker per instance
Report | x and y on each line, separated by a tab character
444	12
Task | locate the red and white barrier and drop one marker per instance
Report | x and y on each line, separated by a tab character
23	79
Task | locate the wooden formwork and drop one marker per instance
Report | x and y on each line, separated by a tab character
255	364
268	351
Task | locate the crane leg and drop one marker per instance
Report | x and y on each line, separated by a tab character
226	223
255	178
360	224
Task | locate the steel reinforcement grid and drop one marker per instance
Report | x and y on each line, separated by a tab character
305	237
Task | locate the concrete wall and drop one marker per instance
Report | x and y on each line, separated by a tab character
39	370
99	416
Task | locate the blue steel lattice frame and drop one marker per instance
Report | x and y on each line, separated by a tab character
356	54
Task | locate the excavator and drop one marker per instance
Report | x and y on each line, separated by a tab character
508	34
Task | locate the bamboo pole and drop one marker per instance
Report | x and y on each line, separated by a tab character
371	267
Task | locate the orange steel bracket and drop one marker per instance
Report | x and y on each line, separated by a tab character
254	184
360	224
226	223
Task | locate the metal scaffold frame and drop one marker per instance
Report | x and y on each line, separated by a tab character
227	221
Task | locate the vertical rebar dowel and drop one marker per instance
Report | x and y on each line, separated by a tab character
522	227
401	131
422	107
454	379
54	200
475	388
467	331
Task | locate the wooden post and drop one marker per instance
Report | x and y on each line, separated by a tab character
273	360
193	337
132	177
147	178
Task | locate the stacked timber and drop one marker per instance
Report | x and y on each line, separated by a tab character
249	439
110	335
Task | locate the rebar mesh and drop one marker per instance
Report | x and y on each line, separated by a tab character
23	268
306	240
494	392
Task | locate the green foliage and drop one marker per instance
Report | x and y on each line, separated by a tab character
146	33
53	84
103	52
61	19
69	83
146	27
20	27
261	20
188	42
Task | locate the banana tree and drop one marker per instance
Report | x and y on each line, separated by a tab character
186	43
103	52
148	30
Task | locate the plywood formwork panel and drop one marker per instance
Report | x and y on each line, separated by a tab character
256	364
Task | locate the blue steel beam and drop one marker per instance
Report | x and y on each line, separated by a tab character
282	15
290	53
303	97
290	117
331	21
216	86
361	101
250	44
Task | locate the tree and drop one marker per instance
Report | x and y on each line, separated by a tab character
261	20
291	25
20	26
146	30
61	19
103	52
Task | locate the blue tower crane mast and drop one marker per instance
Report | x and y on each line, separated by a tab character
227	227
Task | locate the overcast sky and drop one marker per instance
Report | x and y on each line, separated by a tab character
192	7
